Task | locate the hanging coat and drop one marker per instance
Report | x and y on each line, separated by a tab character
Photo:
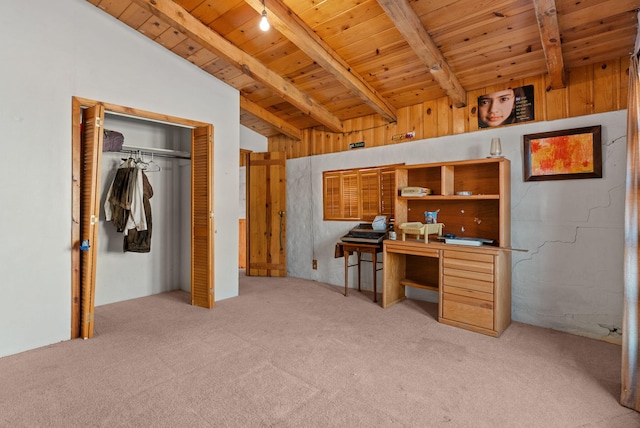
139	241
124	205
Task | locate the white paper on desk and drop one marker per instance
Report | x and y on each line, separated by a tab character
380	222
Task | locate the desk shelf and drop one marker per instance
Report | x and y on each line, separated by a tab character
486	213
447	197
411	283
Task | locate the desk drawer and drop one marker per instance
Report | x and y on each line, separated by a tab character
481	283
468	310
468	256
467	292
469	264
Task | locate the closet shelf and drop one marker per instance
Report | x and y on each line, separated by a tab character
157	152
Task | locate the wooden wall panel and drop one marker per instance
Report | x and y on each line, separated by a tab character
403	124
389	131
380	131
459	120
430	115
417	120
556	102
580	91
597	88
472	108
606	86
624	84
366	133
444	116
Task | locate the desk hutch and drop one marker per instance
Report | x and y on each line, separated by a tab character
473	282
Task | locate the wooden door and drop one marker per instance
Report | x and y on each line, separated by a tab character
266	214
202	217
91	149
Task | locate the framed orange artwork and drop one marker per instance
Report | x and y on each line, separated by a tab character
563	155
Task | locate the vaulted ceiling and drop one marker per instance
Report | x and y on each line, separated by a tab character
325	61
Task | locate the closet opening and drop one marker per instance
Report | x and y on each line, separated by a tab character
175	157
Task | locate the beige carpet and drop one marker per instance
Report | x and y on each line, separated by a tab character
295	353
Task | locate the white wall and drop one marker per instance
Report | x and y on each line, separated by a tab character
569	278
251	140
53	51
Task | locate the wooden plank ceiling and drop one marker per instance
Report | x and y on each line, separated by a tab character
325	61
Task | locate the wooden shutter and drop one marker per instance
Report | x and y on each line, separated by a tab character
359	194
387	192
202	272
351	195
332	196
370	194
91	149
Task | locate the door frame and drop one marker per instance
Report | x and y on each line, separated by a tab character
242	222
79	103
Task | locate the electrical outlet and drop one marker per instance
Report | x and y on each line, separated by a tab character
315	264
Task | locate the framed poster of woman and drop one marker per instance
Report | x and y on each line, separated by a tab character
513	105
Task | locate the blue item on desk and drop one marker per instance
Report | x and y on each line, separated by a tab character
379	223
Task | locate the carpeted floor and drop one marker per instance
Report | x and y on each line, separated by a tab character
296	353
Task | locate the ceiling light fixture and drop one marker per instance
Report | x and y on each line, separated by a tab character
264	23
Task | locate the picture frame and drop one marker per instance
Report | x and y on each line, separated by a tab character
563	155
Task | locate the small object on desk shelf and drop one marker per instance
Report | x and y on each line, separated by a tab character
419	229
431	217
476	242
413	228
392	235
464	193
462	241
415	191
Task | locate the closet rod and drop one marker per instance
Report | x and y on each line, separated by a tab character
157	152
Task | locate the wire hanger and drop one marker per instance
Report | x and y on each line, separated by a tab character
152	166
139	161
127	162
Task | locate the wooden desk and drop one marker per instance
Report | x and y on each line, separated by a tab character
348	248
473	283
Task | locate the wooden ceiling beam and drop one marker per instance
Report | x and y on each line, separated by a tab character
265	115
300	34
181	19
411	28
547	17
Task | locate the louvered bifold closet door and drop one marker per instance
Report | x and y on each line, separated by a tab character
202	217
92	119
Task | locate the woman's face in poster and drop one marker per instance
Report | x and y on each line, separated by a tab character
495	108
